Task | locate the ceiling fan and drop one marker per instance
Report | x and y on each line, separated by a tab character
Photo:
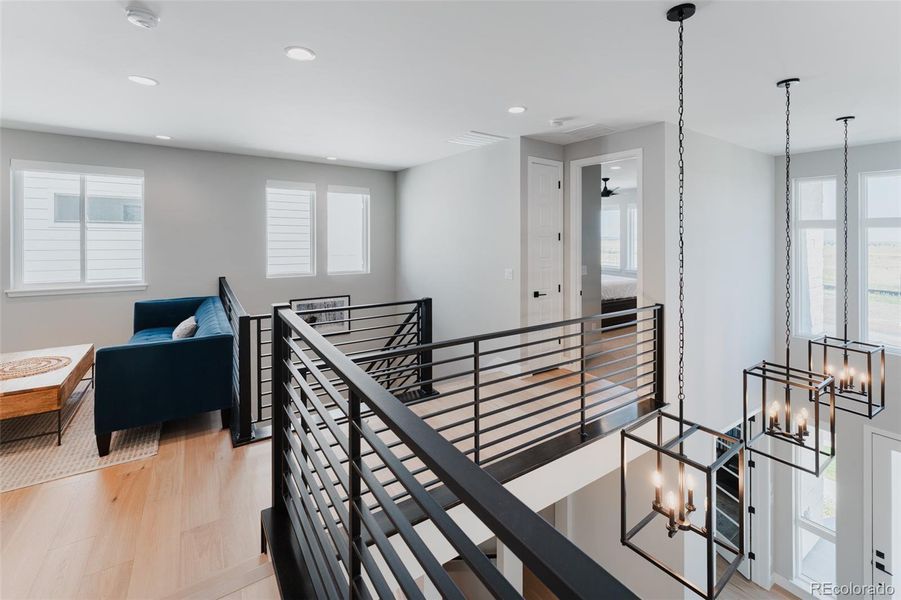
607	192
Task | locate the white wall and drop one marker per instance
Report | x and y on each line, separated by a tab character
851	552
458	229
204	217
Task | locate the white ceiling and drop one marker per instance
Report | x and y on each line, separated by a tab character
394	81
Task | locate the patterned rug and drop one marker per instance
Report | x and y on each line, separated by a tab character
33	461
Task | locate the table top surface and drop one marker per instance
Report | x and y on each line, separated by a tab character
50	379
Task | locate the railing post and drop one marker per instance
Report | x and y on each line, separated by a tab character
280	398
244	431
659	352
425	337
355	464
582	367
476	409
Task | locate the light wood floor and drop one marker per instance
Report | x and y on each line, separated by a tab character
146	529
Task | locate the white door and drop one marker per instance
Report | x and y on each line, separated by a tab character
545	256
886	515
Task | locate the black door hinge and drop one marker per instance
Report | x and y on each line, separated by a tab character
559	184
752	556
752	510
559	237
559	289
751	463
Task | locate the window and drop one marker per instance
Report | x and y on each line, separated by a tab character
815	506
61	238
881	257
348	230
619	233
290	220
814	237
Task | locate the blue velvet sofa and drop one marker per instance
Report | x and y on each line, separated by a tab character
154	378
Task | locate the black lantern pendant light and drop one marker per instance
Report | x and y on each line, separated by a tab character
679	508
794	430
860	390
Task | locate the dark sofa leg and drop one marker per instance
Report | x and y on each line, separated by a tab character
103	441
226	414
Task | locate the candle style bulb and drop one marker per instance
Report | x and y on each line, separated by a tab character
828	369
804	413
670	500
657	478
863	383
690	484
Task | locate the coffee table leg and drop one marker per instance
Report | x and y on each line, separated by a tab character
59	427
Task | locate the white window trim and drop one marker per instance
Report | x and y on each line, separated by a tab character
304	187
17	241
625	237
797	225
367	226
863	296
799	522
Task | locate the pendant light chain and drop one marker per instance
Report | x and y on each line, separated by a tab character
788	234
846	234
681	232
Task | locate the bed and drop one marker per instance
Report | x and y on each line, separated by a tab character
617	293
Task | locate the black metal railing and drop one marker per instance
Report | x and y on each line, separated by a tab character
514	400
362	332
336	529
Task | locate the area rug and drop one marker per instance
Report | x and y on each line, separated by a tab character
36	460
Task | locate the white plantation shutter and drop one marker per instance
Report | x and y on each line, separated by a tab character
348	230
289	229
62	239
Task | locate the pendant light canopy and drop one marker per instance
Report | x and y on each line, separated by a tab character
791	429
859	367
680	510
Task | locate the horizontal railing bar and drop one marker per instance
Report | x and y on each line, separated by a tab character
325	586
531	329
563	568
313	311
570	335
375	339
573	386
551	434
558	377
326	559
551	420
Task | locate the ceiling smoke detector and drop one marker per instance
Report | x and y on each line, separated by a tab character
141	17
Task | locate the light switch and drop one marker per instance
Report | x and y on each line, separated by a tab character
508	274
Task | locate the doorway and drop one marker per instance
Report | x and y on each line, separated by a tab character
882	555
544	279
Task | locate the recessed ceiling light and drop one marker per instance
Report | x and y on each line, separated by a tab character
141	17
516	110
331	158
140	80
300	53
163	137
615	168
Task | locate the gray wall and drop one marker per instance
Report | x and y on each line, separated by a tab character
204	217
850	430
458	224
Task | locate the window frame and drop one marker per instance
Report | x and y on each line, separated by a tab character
799	522
298	186
367	227
797	226
626	237
863	239
18	287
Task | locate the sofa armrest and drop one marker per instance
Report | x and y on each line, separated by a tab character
164	313
142	384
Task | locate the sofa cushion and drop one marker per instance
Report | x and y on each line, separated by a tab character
211	318
153	334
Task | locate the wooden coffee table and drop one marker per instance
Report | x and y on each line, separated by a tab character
48	378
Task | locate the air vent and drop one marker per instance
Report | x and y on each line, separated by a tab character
587	132
476	138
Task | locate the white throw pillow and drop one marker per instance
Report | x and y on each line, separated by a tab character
185	329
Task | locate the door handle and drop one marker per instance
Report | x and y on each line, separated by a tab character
537	294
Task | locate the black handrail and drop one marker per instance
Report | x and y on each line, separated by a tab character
299	417
240	418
